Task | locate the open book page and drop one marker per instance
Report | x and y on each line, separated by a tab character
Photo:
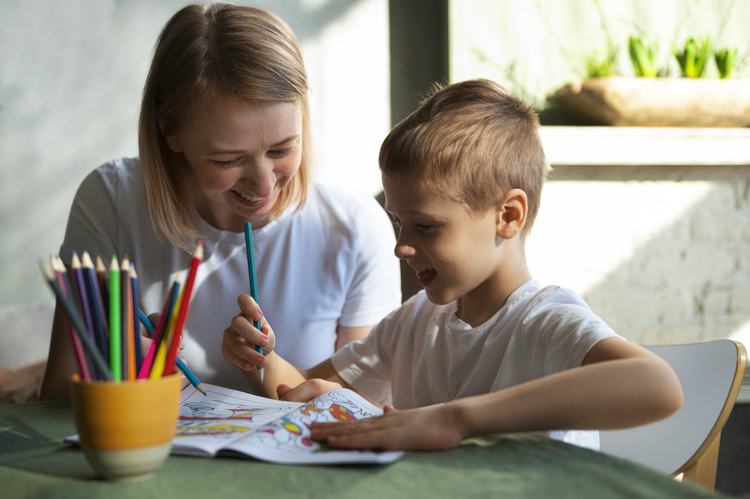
287	440
235	422
208	423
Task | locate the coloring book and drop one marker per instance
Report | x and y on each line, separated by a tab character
227	422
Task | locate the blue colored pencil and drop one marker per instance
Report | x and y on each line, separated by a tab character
74	296
253	280
180	364
96	304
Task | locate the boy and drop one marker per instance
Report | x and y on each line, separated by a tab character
484	348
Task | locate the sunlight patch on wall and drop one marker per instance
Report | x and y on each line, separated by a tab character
587	229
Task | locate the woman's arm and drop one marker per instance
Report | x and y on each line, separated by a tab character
619	385
60	362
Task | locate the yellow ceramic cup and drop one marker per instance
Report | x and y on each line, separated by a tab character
126	429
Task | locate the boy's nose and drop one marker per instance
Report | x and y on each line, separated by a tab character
403	250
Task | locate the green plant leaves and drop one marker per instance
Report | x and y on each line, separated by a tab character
643	55
693	57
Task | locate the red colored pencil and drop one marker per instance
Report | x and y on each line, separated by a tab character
169	365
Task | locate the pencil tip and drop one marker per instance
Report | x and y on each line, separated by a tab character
201	389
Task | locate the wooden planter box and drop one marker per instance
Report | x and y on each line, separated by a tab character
670	102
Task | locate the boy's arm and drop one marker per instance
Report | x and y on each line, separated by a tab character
619	385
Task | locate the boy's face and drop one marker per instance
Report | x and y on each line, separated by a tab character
453	251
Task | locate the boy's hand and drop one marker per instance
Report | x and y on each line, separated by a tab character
305	391
430	428
241	336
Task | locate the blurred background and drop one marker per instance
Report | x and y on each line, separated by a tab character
650	225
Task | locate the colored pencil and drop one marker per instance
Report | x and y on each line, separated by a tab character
148	360
115	321
157	368
78	349
253	280
101	280
136	327
180	364
75	319
82	297
184	309
126	316
95	302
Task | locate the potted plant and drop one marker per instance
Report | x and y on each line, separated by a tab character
651	99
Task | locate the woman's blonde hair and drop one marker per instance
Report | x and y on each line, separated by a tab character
220	49
472	142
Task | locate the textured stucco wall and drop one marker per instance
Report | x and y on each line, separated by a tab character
663	259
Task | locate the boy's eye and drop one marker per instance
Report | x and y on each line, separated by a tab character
424	226
226	163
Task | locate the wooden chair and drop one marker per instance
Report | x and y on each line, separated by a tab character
687	443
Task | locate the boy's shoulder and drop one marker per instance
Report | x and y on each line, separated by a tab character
555	311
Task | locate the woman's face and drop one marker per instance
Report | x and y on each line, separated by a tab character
241	156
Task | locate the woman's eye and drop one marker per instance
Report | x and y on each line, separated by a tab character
424	226
282	152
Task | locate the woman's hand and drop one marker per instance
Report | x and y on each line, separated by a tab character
240	338
429	428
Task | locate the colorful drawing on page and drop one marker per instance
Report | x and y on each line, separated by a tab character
292	433
215	410
208	429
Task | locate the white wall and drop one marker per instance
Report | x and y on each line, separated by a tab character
71	74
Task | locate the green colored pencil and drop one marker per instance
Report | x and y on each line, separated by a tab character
115	338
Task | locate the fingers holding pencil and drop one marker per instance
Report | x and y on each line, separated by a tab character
243	340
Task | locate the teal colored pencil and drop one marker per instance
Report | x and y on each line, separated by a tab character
115	338
253	280
180	364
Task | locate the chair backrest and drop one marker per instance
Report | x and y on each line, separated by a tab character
711	374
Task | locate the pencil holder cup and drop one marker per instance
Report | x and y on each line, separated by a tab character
126	429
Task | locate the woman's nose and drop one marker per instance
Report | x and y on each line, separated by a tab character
261	177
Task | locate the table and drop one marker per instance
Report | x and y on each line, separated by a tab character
34	462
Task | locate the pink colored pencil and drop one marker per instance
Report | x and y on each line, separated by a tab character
80	355
156	338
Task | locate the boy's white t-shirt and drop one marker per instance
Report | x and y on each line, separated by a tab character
422	354
330	263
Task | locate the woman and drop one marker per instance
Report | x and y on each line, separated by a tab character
224	139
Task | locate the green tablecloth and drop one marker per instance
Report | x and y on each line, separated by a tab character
34	462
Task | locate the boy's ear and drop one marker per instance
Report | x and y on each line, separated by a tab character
511	214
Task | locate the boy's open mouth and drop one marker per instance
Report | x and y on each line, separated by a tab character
425	276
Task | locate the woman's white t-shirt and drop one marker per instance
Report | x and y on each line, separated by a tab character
329	264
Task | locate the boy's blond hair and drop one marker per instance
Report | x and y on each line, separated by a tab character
206	51
473	142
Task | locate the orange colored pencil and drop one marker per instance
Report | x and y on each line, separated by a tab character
169	365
